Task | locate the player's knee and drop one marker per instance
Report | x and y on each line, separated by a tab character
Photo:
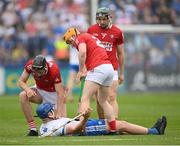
23	96
124	125
112	97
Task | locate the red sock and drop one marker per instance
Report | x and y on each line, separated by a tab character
32	125
112	126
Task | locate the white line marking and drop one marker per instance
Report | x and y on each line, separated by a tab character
116	139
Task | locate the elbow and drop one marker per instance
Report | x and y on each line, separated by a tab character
19	83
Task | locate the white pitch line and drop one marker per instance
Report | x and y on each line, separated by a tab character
90	145
116	139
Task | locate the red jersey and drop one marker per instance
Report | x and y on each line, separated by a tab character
110	37
47	81
95	54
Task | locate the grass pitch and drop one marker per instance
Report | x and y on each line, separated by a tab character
138	108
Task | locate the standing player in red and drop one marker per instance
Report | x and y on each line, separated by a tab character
112	38
48	88
99	75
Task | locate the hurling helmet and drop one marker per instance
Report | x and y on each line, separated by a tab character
69	33
43	110
103	12
39	62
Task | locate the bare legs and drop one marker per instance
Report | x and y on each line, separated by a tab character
89	89
70	84
112	99
26	106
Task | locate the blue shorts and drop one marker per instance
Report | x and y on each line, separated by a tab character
74	68
96	127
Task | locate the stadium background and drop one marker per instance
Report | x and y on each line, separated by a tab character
151	28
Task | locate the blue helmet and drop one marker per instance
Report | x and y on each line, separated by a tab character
43	110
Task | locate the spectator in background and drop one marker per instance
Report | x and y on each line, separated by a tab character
31	20
169	60
19	54
171	54
164	14
155	57
141	41
61	51
7	44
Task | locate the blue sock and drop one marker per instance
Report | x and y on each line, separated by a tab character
153	131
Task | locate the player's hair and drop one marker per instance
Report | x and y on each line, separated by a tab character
69	33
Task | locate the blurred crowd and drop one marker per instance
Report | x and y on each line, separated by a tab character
144	11
153	50
30	27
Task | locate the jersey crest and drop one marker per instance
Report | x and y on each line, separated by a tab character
111	36
103	35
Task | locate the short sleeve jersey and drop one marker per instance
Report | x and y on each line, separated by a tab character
95	53
110	38
46	82
56	124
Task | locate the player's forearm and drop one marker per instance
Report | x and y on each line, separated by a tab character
82	59
23	85
61	107
121	66
80	126
121	60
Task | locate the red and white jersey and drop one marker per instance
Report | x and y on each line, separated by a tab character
95	53
47	81
110	38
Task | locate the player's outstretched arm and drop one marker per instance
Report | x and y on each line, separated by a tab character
80	126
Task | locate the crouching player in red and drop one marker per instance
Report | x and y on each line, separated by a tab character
90	127
49	88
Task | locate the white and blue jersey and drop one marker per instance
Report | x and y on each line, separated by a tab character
93	127
51	125
96	127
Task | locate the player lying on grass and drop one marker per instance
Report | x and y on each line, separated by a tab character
90	127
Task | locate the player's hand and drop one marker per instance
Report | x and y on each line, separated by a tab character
120	79
30	93
79	76
87	113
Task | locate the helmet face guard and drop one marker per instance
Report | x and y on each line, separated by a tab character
39	65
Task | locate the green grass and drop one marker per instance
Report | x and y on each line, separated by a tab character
138	108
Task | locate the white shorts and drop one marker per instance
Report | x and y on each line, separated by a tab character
115	78
48	96
102	74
